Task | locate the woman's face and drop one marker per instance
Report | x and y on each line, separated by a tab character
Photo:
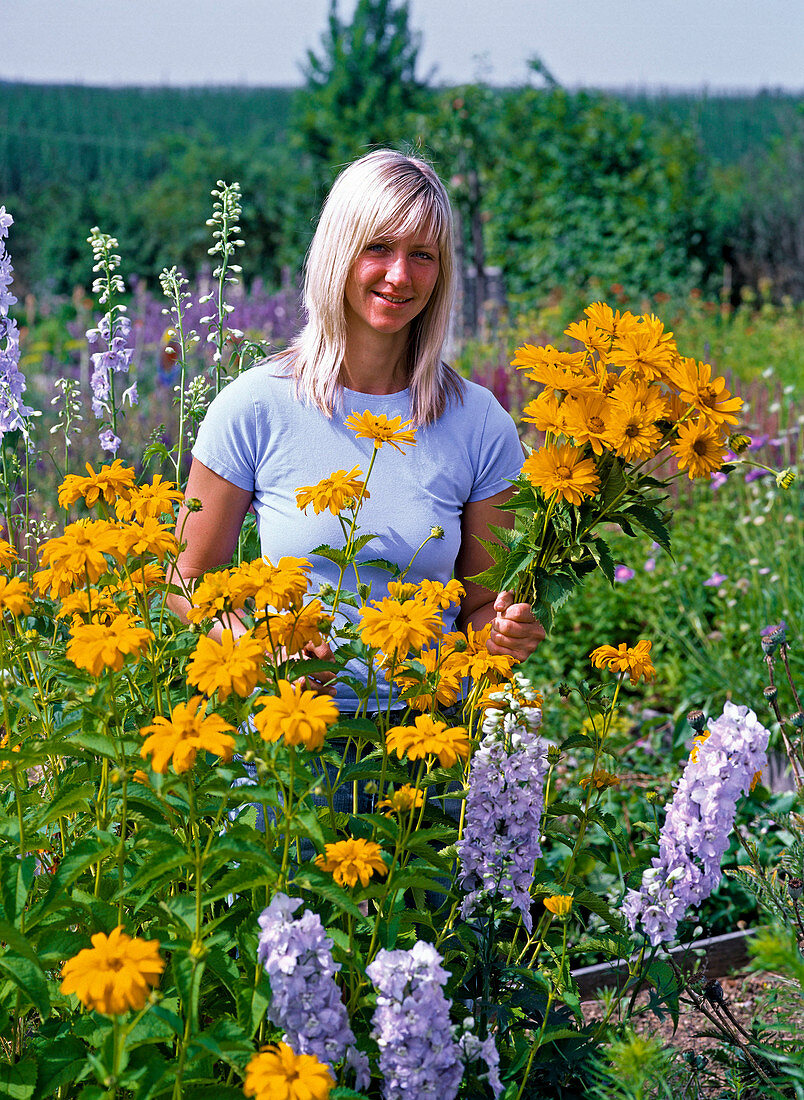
390	283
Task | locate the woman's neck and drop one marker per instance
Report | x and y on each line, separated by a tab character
376	366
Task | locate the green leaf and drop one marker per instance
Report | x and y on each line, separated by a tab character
29	977
69	799
16	878
18	1082
650	520
361	541
599	549
60	1058
328	552
83	854
382	563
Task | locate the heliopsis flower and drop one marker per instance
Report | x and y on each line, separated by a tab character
353	859
227	666
96	646
545	412
402	590
559	904
563	470
586	420
179	738
440	677
299	717
646	351
294	629
593	338
212	597
556	370
469	655
708	395
279	586
97	606
396	626
144	577
429	738
634	435
610	321
115	974
382	430
149	537
634	660
277	1073
700	448
441	596
601	780
15	596
77	556
8	554
109	484
402	801
150	501
336	492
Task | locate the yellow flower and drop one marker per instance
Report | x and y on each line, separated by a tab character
277	586
96	606
353	859
336	492
180	737
109	483
77	556
300	717
96	646
294	629
592	337
429	738
115	974
699	450
610	322
559	904
212	597
144	577
601	780
227	666
634	660
440	677
277	1073
709	395
586	420
381	429
149	537
397	626
404	800
646	351
633	432
149	501
15	596
402	590
697	741
562	469
556	370
545	412
473	658
440	596
8	554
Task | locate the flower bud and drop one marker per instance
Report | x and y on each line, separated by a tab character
437	532
371	787
460	645
713	991
697	719
553	755
193	504
795	887
739	443
770	693
785	478
564	689
364	591
797	720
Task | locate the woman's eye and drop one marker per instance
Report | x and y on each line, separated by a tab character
375	248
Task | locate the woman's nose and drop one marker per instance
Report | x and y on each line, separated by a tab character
398	270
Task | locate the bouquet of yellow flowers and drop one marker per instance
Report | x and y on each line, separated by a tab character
612	413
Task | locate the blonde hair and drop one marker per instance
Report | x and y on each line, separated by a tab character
382	194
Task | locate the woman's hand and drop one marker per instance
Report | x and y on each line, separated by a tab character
321	682
514	631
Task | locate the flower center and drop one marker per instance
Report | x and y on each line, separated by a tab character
564	473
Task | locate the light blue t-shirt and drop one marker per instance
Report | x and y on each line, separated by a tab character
261	437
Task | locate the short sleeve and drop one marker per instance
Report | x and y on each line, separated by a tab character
227	439
500	455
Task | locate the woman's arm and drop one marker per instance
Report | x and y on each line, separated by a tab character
208	537
514	631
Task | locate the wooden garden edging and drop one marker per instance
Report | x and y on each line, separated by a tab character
722	955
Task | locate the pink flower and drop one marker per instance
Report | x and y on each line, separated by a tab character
622	574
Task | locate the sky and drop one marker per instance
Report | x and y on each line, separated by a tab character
695	44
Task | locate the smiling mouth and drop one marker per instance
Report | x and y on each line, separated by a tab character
394	301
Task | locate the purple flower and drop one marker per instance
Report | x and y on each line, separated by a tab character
109	441
5	221
650	565
500	843
622	574
717	480
13	410
715	580
418	1053
698	823
473	1050
305	999
755	474
772	629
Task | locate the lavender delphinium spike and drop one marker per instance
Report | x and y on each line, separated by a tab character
113	329
418	1053
13	410
699	820
305	1000
500	843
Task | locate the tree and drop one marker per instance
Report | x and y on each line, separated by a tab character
361	89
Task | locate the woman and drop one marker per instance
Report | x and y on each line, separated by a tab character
378	294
